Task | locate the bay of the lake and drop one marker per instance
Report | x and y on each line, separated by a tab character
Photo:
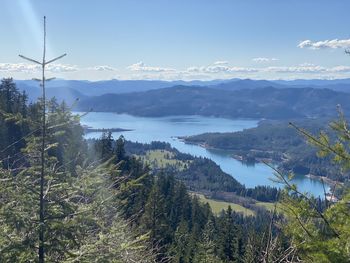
167	129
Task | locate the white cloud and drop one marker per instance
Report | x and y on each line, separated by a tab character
54	68
339	69
220	62
334	43
243	69
216	68
264	60
308	68
140	66
104	68
225	70
296	69
307	64
24	67
61	68
19	67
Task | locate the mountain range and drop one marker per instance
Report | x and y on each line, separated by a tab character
96	88
269	102
235	98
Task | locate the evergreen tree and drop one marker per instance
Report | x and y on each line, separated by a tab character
229	238
180	210
120	149
104	146
206	251
13	123
180	250
251	252
155	218
321	235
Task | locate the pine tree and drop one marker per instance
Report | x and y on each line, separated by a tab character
206	251
120	149
104	147
180	250
254	247
229	247
13	124
320	235
180	210
154	218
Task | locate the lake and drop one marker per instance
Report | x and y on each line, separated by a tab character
166	129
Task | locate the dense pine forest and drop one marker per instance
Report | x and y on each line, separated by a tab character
104	204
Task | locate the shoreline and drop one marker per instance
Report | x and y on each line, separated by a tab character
331	182
240	158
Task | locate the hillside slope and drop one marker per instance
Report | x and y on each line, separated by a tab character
269	102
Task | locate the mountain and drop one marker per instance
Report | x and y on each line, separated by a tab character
336	84
269	102
312	82
96	88
238	84
61	93
69	90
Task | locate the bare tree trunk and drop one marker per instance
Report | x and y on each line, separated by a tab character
42	176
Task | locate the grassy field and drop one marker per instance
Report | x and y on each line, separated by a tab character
218	206
162	159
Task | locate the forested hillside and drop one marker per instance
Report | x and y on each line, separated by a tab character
199	174
278	142
268	102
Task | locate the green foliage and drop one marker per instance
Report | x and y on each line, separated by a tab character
206	251
82	219
275	141
14	124
318	240
321	234
203	175
82	223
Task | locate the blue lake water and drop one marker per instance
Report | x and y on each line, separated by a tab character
166	129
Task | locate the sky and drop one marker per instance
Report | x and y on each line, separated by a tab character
173	40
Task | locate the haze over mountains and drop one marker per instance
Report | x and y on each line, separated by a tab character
96	88
271	103
236	98
63	89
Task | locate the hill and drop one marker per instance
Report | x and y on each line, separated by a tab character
276	142
97	88
271	103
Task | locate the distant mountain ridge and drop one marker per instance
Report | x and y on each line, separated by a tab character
268	102
70	90
96	88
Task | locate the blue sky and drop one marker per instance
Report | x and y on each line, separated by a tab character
193	39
